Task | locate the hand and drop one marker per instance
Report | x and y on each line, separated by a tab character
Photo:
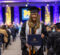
42	35
28	46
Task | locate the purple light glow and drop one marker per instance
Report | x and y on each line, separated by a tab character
43	0
16	15
56	15
1	19
9	1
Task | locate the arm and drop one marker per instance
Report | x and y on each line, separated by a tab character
44	29
5	33
23	37
44	32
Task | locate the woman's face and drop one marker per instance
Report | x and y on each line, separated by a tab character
34	16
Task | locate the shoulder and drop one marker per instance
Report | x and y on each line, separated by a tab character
24	24
43	25
52	34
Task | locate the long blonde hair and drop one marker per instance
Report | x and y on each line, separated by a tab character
37	22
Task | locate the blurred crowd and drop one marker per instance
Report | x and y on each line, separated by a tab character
52	39
8	34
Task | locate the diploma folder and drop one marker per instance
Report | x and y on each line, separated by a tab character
35	40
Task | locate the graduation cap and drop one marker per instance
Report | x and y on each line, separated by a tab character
34	9
57	25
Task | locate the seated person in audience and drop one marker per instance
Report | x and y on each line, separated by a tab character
32	26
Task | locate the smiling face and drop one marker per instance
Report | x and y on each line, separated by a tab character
34	16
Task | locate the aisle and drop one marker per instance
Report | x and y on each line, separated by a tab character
13	49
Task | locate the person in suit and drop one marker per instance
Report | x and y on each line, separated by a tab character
32	26
57	40
54	41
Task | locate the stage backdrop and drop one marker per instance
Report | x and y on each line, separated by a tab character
13	14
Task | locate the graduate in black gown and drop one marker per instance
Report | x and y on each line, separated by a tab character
32	26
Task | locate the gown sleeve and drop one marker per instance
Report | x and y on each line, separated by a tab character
45	34
23	37
44	30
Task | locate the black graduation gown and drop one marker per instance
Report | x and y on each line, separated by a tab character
23	40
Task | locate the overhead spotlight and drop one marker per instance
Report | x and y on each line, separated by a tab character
6	5
26	5
47	4
27	0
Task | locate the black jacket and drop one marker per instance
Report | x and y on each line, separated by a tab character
54	41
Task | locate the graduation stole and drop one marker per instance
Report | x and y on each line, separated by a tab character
31	25
30	48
